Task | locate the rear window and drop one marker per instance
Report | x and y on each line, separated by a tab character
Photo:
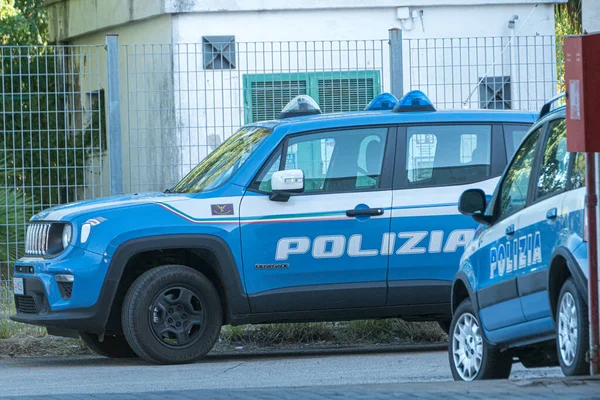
513	136
440	155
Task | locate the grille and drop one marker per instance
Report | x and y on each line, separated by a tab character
36	242
25	304
66	289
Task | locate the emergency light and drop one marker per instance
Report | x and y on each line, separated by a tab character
414	101
299	106
385	101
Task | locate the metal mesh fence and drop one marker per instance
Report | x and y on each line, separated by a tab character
184	100
518	73
52	129
179	102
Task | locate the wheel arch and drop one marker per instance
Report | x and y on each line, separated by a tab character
208	254
562	266
461	290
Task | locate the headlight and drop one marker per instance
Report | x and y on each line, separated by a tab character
48	238
67	233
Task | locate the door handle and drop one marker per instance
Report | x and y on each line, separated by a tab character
371	212
552	213
510	230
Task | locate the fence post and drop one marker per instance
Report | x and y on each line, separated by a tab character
114	114
396	71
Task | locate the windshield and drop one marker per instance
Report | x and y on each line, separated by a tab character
222	163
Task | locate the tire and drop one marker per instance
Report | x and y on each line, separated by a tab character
491	362
445	326
172	315
572	330
111	346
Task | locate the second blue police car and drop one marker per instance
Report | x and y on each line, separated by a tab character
307	218
521	292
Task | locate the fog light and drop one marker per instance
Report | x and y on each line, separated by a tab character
64	278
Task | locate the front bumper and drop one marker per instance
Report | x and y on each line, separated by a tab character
77	306
33	308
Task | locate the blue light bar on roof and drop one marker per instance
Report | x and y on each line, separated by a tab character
385	101
414	101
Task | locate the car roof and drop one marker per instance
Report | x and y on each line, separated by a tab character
558	112
357	118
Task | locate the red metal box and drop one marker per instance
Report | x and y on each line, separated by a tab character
582	81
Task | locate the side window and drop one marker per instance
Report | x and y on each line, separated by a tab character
441	155
263	181
578	174
513	136
334	161
370	161
555	162
514	188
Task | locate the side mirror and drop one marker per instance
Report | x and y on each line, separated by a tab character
473	203
286	183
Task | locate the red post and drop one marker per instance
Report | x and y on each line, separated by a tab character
591	203
582	79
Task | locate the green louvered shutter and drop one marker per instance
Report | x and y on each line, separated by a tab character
346	94
269	97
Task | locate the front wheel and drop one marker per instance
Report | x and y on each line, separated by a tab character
572	333
471	358
172	315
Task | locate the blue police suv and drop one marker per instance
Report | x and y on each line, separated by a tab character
307	218
521	291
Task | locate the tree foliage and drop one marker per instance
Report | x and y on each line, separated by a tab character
567	17
23	22
47	138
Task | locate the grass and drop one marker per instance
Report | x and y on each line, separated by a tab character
362	332
11	329
388	331
19	340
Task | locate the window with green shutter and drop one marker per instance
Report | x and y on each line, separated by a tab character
266	94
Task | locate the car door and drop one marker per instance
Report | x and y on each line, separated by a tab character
435	164
322	249
502	248
542	222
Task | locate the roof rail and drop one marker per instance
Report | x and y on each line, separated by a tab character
546	108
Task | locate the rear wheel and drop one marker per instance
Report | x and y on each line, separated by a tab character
172	315
111	346
471	358
572	330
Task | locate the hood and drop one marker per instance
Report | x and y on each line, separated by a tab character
70	211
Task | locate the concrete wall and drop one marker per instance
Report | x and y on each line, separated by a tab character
147	106
69	19
591	15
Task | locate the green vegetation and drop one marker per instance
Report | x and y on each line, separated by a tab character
23	22
387	331
567	22
46	143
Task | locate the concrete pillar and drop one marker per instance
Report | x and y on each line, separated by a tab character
590	15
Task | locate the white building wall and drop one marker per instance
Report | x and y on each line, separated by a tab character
210	103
